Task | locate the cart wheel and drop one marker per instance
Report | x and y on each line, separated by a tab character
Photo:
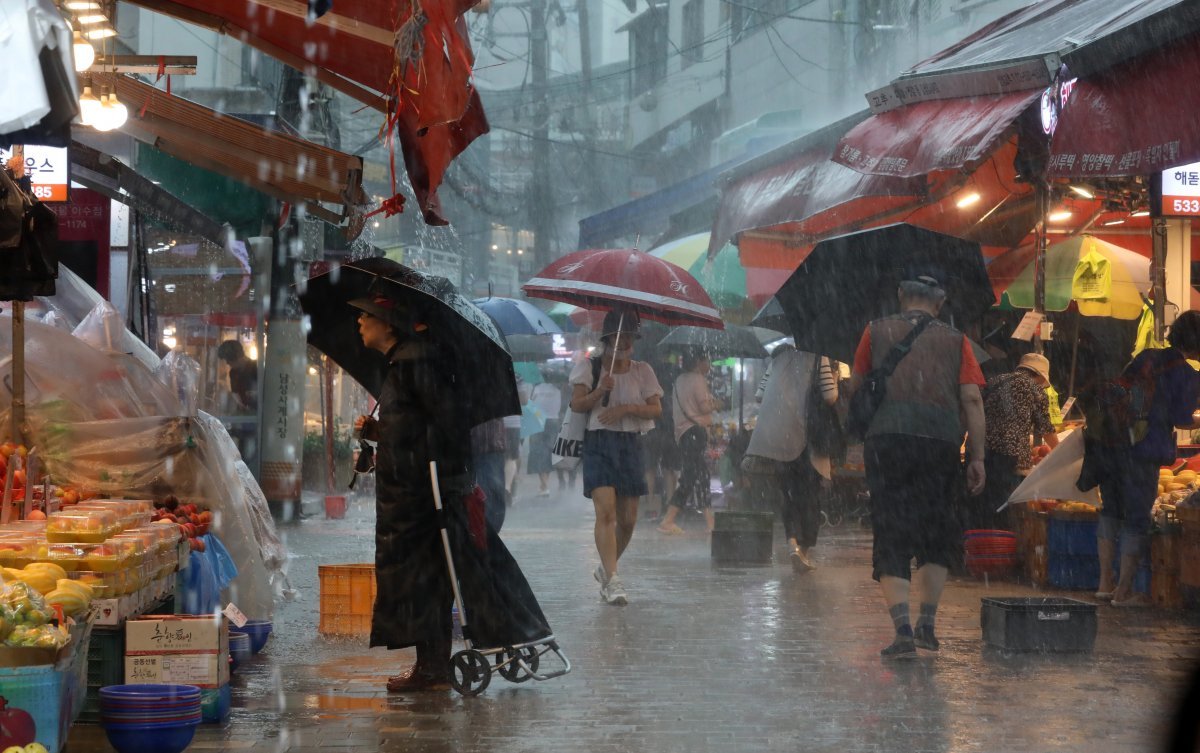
513	671
532	659
507	666
469	672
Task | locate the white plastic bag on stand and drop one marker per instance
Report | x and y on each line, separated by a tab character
1055	476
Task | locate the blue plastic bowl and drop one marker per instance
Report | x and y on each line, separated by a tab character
239	649
149	692
151	738
258	630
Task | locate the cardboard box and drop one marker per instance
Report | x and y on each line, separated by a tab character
184	649
201	670
176	634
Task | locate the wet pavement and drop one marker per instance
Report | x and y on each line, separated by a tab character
704	658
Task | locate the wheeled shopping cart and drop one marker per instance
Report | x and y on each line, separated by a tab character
511	623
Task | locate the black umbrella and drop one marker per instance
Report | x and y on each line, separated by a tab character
848	281
731	342
457	328
771	316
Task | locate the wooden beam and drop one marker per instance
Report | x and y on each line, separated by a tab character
216	23
339	23
175	65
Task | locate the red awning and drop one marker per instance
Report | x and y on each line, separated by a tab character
949	134
427	91
801	188
1133	119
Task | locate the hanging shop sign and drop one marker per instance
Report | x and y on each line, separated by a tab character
1176	192
1054	100
47	168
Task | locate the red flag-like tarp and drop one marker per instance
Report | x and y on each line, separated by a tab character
408	58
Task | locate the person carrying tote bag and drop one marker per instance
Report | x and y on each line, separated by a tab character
621	407
568	446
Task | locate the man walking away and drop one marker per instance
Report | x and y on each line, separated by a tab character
912	454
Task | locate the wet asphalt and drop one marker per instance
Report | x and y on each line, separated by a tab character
704	658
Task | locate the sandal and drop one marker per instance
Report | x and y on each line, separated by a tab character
671	530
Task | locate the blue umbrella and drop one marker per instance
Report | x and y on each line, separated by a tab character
515	317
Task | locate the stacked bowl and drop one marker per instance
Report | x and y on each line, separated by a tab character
150	718
990	552
239	649
258	630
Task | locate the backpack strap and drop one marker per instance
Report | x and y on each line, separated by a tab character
901	349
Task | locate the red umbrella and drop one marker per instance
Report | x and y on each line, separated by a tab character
626	278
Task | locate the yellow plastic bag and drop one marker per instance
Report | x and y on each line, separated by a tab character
1056	416
1092	279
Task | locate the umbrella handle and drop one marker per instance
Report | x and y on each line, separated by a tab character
613	363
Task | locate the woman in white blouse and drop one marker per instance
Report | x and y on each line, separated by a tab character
622	398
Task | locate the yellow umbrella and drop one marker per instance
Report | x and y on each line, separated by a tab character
1101	278
682	251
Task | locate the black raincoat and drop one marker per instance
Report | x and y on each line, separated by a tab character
423	416
419	420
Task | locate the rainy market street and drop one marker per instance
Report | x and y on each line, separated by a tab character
702	659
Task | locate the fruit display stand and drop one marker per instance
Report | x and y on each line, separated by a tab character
41	690
1189	551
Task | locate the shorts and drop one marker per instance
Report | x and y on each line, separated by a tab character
914	482
613	458
512	444
659	449
1128	491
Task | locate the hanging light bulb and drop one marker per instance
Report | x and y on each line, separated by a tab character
118	113
89	105
85	55
103	120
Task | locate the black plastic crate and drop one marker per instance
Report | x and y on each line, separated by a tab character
747	546
1041	624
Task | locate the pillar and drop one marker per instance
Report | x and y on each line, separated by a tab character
1178	267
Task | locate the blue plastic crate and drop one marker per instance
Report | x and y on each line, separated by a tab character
1083	573
1073	538
1072	573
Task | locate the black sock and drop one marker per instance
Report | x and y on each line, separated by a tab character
900	618
928	613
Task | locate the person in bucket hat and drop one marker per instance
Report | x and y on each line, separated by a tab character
621	398
1015	406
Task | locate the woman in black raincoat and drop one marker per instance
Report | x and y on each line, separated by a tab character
420	419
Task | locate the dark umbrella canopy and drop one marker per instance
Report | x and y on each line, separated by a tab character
731	342
530	347
516	317
849	281
456	328
771	316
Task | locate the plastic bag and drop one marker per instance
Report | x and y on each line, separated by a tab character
67	380
181	373
1055	476
103	328
194	459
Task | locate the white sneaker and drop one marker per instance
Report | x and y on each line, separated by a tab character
600	576
614	592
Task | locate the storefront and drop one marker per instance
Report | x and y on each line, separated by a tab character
1019	142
